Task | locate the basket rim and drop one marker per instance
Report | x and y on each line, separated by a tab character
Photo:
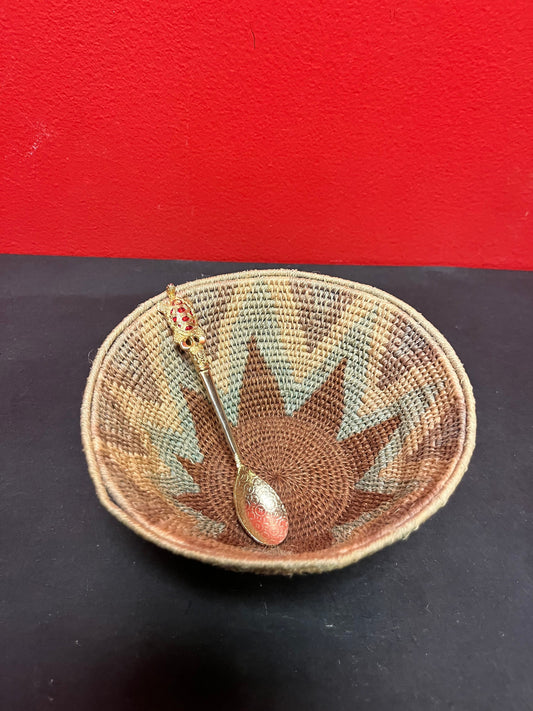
342	556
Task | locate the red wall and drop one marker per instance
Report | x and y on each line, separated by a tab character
364	132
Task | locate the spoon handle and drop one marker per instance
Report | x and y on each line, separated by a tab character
190	337
219	410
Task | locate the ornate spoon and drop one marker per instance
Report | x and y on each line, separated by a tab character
259	508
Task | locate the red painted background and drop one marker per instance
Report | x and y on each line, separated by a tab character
363	132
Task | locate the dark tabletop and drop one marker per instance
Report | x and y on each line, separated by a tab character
95	618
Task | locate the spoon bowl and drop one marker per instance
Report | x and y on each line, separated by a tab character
259	509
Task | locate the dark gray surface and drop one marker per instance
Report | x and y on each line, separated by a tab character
93	617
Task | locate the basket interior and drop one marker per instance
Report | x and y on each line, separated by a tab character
341	399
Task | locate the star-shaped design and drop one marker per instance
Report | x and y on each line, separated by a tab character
314	473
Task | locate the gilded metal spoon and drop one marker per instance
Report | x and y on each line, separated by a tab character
259	509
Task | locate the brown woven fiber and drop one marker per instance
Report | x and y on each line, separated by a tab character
343	398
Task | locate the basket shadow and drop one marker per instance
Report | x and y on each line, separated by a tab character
217	582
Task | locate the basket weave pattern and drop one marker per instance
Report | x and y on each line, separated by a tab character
345	400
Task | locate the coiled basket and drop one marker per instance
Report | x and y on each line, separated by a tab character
346	400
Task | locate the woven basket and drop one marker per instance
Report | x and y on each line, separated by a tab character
346	400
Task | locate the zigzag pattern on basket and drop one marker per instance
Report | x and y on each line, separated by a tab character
337	397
